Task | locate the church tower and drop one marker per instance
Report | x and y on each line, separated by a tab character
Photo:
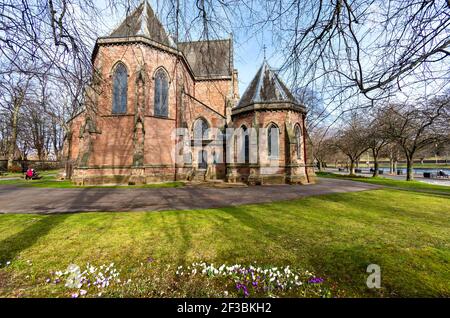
274	121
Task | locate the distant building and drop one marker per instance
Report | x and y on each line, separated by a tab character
145	86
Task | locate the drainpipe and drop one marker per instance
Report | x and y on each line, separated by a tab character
177	95
304	147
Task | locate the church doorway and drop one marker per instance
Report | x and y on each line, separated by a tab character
202	159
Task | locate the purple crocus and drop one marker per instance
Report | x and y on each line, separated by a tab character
245	290
316	280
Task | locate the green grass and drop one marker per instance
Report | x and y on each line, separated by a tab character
402	165
49	181
337	236
402	184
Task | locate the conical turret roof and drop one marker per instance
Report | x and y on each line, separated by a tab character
266	87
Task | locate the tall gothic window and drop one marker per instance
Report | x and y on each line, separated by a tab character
200	129
272	141
161	94
246	144
120	89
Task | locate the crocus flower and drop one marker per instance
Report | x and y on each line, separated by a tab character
316	280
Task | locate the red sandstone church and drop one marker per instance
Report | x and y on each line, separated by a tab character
157	110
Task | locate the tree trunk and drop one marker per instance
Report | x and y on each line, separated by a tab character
409	169
68	163
352	167
320	165
375	164
12	145
391	163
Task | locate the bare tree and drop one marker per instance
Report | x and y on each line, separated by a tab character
13	94
416	127
377	138
352	140
323	147
392	151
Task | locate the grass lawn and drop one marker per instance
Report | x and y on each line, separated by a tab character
334	236
417	165
49	181
403	184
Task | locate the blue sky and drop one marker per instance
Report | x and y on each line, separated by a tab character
248	49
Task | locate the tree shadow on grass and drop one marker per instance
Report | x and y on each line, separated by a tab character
260	230
343	263
15	244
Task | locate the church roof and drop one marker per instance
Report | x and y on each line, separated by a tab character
266	87
143	22
207	59
212	58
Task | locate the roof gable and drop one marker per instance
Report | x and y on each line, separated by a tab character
208	59
143	22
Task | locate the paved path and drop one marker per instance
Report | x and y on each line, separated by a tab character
47	201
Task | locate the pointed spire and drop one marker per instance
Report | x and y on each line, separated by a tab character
266	87
143	22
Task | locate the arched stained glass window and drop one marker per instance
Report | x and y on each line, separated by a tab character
298	139
120	89
272	141
200	129
246	144
161	94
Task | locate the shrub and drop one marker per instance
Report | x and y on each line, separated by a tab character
15	169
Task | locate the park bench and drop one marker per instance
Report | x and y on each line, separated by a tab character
380	171
358	171
430	175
